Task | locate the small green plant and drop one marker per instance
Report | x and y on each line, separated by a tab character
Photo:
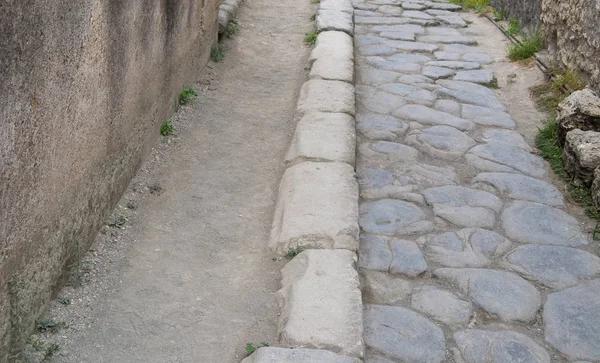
526	49
514	27
51	349
155	188
251	348
45	325
117	221
187	95
217	52
315	1
130	204
311	38
167	128
64	300
478	5
294	251
232	28
493	83
499	14
566	80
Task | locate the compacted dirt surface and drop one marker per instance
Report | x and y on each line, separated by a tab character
190	278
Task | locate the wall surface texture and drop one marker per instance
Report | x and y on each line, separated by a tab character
571	30
84	88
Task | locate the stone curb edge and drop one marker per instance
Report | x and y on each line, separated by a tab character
317	209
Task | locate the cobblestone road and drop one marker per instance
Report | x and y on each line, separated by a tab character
466	253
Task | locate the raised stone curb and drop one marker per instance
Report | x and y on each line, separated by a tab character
227	11
321	303
282	355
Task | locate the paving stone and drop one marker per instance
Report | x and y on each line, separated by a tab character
451	20
380	127
448	106
374	358
461	49
501	157
375	253
509	137
501	293
427	175
328	19
373	76
367	39
383	20
429	116
439	12
434	72
393	217
405	90
399	35
454	64
528	222
412	46
479	346
415	79
447	39
477	76
403	334
320	303
375	49
487	116
384	288
517	186
413	6
365	6
408	259
386	152
554	266
466	87
332	44
378	101
326	96
417	15
442	306
443	6
390	10
572	321
447	56
444	142
324	137
316	205
366	13
463	206
409	58
411	28
471	98
282	355
469	247
480	58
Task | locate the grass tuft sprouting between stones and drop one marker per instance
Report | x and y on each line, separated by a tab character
526	49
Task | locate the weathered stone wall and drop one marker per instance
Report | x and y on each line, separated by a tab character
84	87
571	30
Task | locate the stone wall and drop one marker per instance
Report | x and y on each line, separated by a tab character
84	88
571	30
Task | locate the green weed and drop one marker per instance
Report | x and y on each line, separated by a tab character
478	5
187	95
499	15
167	128
294	251
315	1
46	325
217	52
117	221
251	348
514	27
493	83
50	351
311	38
232	28
566	79
64	300
527	49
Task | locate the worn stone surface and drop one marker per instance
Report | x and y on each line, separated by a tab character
471	98
383	288
521	187
502	157
386	152
442	306
331	19
506	136
326	96
476	76
324	137
444	142
316	206
554	266
447	39
282	355
321	303
380	127
479	346
469	247
407	258
429	116
393	217
572	321
581	110
402	334
528	222
487	116
332	45
338	69
435	72
581	156
378	101
500	293
448	106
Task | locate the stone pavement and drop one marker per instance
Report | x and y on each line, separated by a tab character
466	253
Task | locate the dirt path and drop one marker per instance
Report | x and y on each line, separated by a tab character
198	282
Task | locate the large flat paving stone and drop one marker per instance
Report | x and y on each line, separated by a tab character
463	206
454	64
391	255
317	206
479	346
509	137
528	222
429	116
326	96
442	306
487	116
324	137
572	321
378	183
500	293
385	152
434	72
466	87
553	266
408	46
402	334
393	217
372	76
482	76
448	39
502	157
388	65
380	127
321	304
378	101
414	95
469	247
518	186
409	28
384	288
408	259
283	355
471	98
451	20
443	142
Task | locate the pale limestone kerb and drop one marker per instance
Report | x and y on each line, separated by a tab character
321	303
283	355
326	96
332	44
336	69
324	137
338	5
317	207
330	19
